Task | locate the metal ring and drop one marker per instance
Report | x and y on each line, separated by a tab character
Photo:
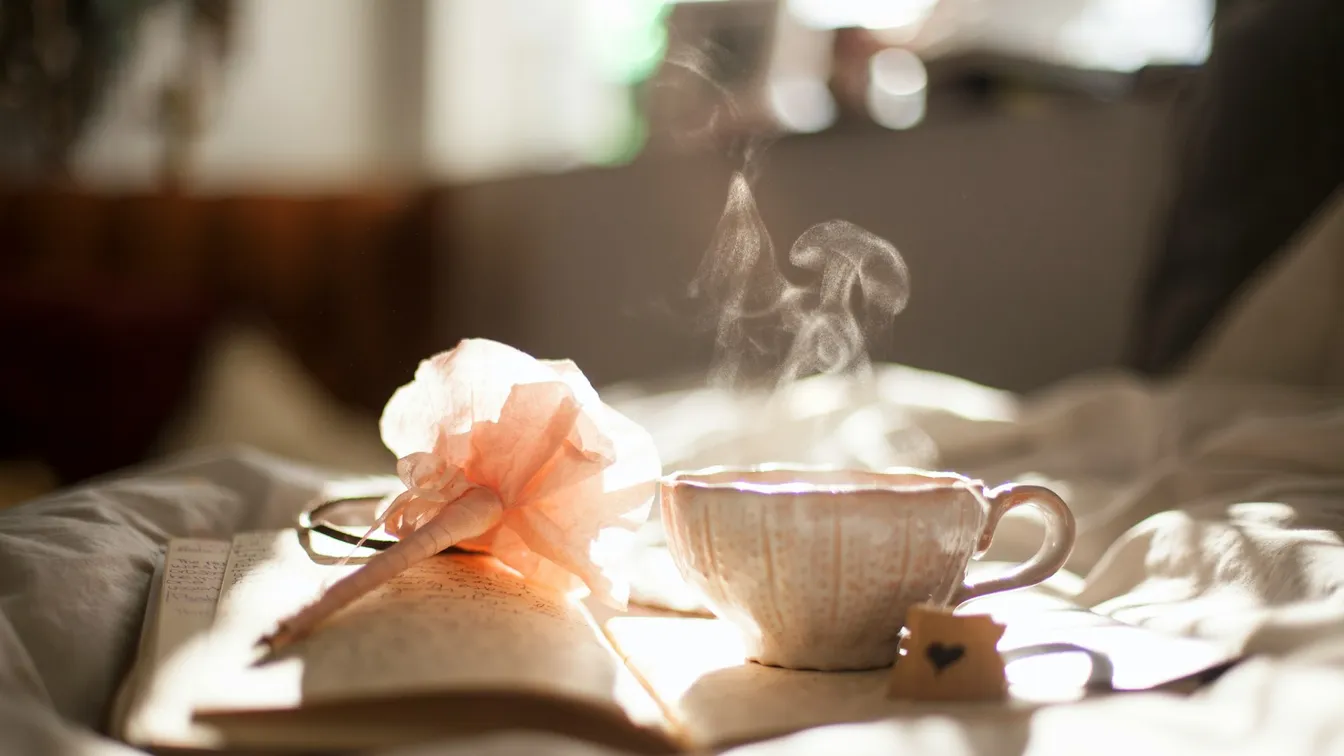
311	520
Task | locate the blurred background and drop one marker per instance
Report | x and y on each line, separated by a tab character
247	220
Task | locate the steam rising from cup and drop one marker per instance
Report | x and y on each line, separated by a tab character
846	284
856	283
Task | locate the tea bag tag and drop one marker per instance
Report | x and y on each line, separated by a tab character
949	657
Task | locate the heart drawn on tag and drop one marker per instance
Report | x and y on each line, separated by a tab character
943	656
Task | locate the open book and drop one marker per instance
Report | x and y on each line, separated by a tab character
461	645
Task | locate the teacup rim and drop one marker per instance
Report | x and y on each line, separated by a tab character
931	480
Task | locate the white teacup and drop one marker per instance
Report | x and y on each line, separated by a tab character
817	568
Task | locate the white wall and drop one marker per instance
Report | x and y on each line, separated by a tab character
1040	219
1024	234
323	92
294	108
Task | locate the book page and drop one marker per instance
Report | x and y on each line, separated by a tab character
131	689
451	623
193	572
180	611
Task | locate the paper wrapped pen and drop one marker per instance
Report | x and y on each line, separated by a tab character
512	456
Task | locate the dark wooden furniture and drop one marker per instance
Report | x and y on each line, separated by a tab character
106	303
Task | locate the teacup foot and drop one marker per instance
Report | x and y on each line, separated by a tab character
828	658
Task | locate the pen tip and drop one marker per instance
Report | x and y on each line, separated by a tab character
278	639
268	647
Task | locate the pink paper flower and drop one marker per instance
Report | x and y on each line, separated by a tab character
513	456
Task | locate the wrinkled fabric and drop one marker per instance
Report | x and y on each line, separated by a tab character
575	477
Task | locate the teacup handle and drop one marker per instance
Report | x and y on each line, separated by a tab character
1060	532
